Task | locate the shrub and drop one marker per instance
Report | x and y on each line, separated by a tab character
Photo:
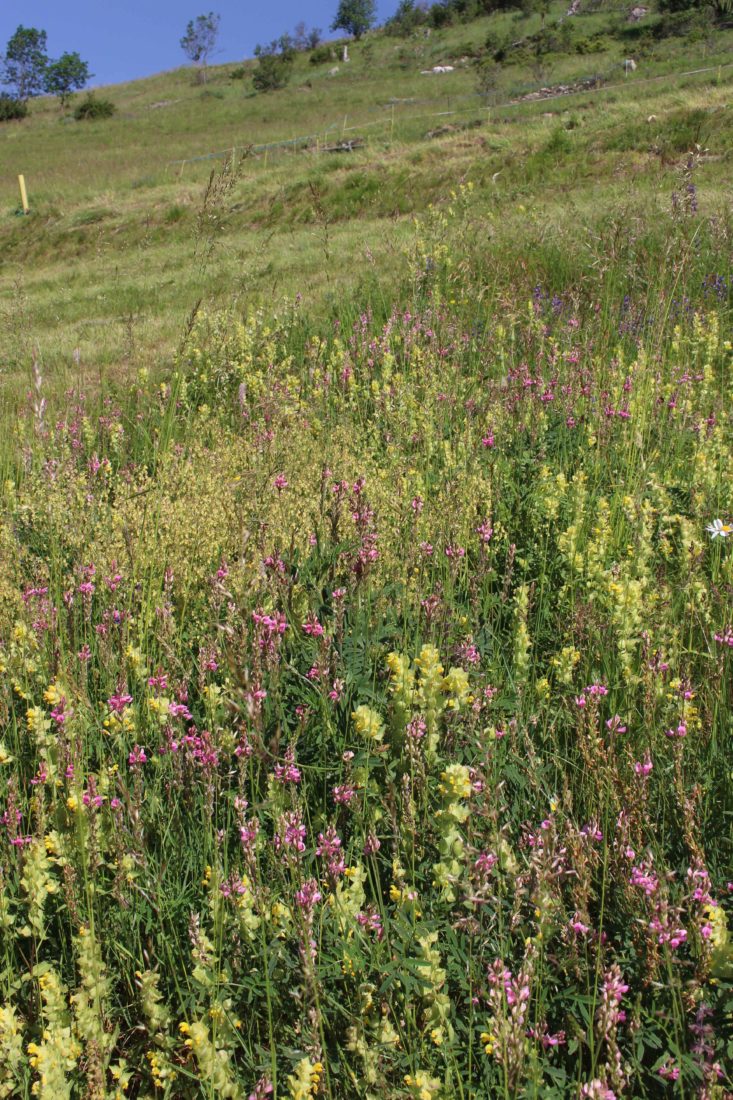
322	55
91	108
406	19
11	108
440	16
487	73
272	72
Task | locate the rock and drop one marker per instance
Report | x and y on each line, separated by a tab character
629	65
344	146
333	71
574	8
441	131
637	14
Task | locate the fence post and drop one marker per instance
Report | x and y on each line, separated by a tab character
23	194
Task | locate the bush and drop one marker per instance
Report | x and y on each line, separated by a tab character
406	19
322	55
590	45
12	108
487	75
91	108
440	15
272	72
680	24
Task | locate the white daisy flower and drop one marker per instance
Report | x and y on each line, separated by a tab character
719	530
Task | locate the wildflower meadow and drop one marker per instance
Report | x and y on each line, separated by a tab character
365	694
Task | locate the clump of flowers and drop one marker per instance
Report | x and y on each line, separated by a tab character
455	790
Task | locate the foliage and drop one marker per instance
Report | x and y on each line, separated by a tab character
406	18
274	64
199	40
322	55
365	689
12	108
306	38
355	16
93	107
24	63
65	76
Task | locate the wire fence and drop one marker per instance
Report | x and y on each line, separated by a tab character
323	139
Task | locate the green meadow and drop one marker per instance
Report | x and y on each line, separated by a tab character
366	582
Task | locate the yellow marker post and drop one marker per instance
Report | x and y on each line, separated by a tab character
23	194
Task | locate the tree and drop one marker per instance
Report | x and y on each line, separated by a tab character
306	39
272	72
66	76
25	61
355	16
199	40
274	63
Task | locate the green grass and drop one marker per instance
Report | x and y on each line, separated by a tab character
367	499
106	258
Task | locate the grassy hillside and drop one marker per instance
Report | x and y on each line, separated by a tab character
106	262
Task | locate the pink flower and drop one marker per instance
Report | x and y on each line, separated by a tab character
343	793
372	844
292	834
336	691
308	896
329	849
643	877
644	768
680	731
485	862
371	921
596	1090
287	772
117	703
313	627
280	482
137	757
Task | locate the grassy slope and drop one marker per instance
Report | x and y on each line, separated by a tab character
107	262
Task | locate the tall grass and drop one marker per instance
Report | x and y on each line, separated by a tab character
365	688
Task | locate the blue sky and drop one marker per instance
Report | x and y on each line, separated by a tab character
124	40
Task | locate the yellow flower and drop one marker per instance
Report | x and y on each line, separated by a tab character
489	1041
368	723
